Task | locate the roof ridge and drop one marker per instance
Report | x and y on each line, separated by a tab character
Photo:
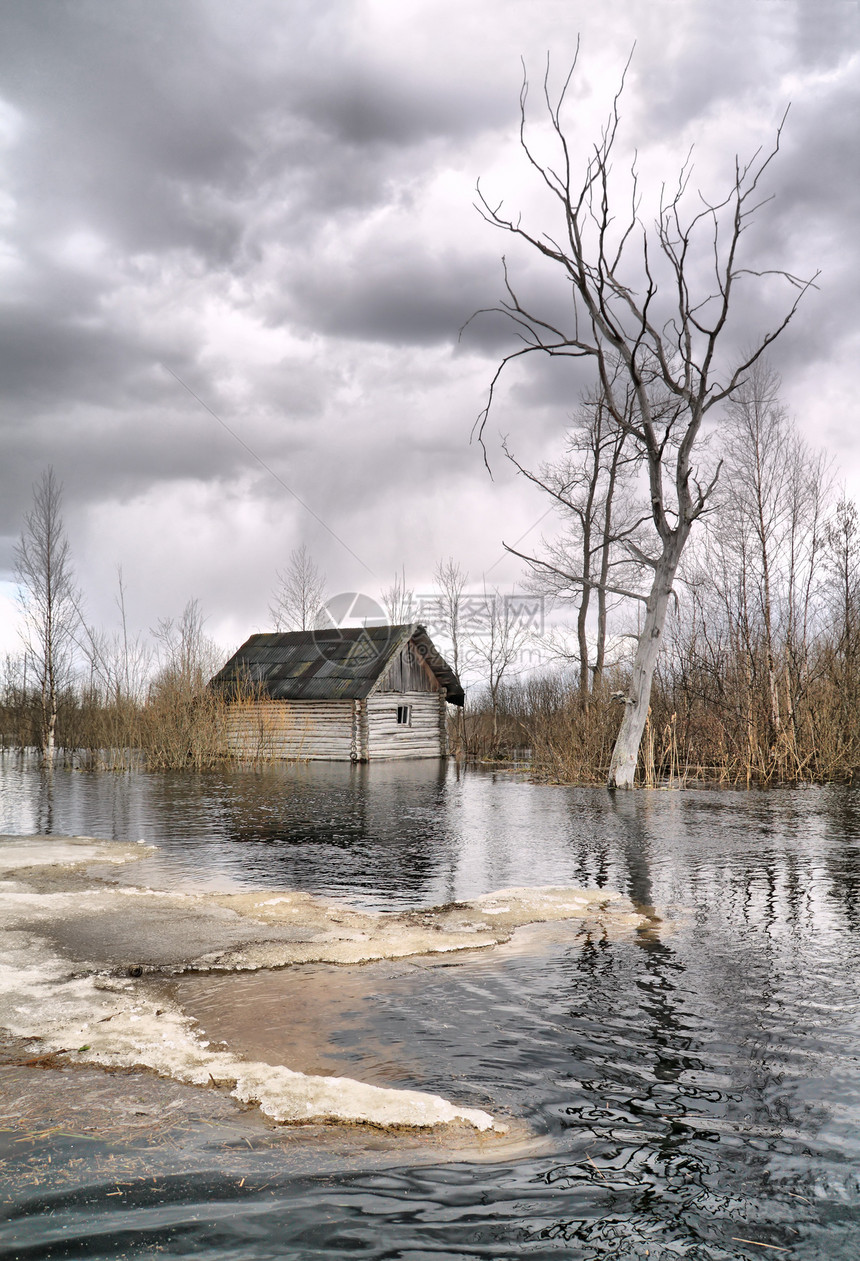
335	663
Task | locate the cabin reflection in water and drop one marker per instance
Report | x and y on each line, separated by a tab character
388	830
356	694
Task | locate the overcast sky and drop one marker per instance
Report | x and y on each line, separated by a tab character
270	205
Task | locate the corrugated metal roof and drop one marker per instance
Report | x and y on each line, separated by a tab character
337	664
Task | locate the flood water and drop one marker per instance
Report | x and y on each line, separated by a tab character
692	1090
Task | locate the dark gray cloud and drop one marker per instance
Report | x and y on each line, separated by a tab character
47	356
148	122
816	178
394	297
274	202
124	113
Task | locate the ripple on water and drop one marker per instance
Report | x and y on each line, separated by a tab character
691	1088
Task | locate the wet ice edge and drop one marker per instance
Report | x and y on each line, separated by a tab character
92	1013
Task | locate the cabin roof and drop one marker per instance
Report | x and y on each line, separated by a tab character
328	665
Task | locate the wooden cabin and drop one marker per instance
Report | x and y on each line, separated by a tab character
355	694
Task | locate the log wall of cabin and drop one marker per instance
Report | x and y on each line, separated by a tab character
339	731
425	735
293	731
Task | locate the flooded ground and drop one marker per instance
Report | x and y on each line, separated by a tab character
689	1089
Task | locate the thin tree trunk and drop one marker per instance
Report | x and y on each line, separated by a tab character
605	549
622	767
600	653
772	681
582	639
49	699
49	735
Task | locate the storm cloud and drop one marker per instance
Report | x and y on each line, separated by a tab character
239	244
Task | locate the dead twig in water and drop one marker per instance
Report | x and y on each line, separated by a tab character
600	1171
38	1060
756	1244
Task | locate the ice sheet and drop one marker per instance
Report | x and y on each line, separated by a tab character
76	951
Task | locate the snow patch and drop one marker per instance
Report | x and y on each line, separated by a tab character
115	1023
66	955
18	853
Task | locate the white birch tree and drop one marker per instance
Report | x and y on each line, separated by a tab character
495	647
451	580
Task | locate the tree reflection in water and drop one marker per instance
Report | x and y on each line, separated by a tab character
692	1086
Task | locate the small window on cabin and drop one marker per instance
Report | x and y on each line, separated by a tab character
404	715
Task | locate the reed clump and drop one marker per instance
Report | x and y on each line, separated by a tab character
151	709
544	721
714	718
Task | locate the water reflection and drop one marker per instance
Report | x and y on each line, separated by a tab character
377	829
45	802
696	1086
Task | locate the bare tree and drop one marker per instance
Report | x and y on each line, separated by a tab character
398	600
301	593
587	483
843	556
185	719
843	564
48	600
495	647
119	662
758	466
756	580
187	657
771	536
451	581
655	300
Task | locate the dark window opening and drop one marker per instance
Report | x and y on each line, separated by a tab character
404	715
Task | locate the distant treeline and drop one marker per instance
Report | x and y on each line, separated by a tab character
757	680
725	709
714	717
179	723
